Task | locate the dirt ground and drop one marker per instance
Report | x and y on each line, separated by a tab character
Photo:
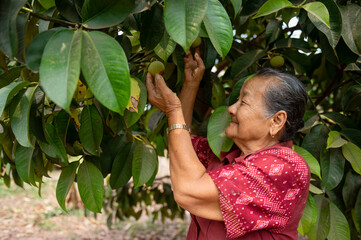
25	215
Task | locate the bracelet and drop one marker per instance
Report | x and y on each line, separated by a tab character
178	126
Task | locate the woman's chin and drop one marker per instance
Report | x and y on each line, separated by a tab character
228	131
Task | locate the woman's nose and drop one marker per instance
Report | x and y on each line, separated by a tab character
231	109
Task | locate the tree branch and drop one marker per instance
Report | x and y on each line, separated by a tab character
46	18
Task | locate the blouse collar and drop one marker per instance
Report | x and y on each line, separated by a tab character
234	155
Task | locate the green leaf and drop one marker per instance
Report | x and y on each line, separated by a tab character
165	47
19	116
21	22
216	136
47	3
351	24
67	9
352	154
292	43
237	89
131	118
8	14
61	124
315	190
35	50
24	164
350	188
60	66
245	61
110	150
122	166
110	80
310	159
352	135
40	165
335	140
142	5
320	229
91	129
341	120
316	140
218	95
332	165
219	27
7	77
145	162
152	29
182	19
55	142
91	186
356	213
301	62
3	62
351	99
309	216
7	93
333	34
272	6
102	14
273	30
318	10
210	54
339	228
17	178
65	182
237	5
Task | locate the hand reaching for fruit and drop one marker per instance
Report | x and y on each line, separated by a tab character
161	96
193	69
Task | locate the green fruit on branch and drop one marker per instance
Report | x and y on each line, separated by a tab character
197	42
156	67
277	61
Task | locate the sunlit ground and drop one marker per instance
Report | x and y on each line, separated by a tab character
25	215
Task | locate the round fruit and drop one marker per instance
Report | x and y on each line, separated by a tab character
277	61
156	67
197	42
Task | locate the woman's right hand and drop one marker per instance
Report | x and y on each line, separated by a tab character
193	69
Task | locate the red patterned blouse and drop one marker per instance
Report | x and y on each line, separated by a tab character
262	195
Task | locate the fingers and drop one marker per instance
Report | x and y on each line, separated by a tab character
199	59
160	83
188	60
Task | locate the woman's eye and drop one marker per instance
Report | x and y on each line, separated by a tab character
243	102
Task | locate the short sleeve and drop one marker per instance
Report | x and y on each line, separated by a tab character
202	149
262	191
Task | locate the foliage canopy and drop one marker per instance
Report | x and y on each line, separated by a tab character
72	94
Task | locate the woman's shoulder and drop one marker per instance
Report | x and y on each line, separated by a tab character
280	153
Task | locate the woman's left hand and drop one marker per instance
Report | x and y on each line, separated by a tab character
161	96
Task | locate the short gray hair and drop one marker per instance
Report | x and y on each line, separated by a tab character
288	94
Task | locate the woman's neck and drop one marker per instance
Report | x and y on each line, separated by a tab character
251	147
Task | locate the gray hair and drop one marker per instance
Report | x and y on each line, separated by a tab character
288	94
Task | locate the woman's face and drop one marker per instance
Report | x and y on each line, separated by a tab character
248	122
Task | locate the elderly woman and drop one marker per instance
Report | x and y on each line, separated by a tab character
260	188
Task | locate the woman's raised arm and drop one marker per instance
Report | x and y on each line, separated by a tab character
193	188
193	74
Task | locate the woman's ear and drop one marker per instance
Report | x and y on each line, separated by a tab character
278	121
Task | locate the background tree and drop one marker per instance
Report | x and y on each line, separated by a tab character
72	94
